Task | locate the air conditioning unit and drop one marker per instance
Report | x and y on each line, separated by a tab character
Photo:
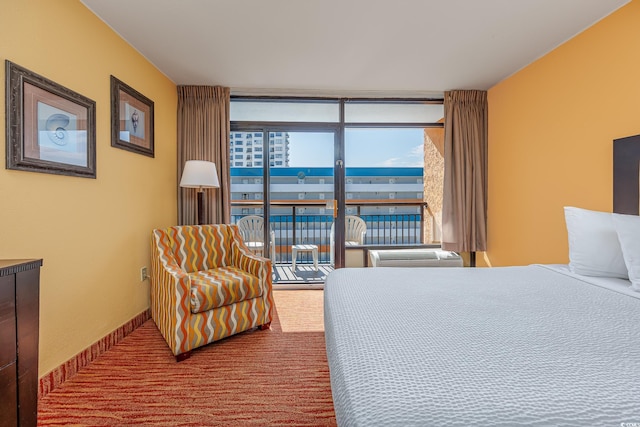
414	258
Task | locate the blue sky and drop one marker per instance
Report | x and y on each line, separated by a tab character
364	148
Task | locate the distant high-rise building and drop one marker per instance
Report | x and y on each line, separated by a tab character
247	150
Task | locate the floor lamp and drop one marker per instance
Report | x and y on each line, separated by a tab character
199	174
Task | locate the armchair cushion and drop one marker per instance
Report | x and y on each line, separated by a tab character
222	286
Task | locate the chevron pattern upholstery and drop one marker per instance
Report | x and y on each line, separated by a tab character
206	285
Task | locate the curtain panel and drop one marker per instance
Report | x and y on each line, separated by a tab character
464	210
203	134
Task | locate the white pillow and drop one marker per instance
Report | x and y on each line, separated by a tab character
628	229
594	248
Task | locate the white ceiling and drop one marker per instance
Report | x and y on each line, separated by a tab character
347	47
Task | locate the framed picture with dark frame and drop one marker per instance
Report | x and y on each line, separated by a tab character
49	128
131	119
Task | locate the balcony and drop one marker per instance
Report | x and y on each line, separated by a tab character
398	222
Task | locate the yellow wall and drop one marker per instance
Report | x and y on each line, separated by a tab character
93	234
551	128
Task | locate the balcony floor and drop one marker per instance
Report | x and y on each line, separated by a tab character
305	273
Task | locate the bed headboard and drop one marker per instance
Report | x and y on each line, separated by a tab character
626	175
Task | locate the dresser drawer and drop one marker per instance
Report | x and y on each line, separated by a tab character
19	314
7	321
8	396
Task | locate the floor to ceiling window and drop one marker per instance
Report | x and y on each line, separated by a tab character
384	183
309	169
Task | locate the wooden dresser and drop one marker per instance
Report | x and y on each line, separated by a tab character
19	318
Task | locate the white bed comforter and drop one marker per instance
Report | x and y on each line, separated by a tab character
480	347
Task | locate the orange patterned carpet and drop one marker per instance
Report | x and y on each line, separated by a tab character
277	377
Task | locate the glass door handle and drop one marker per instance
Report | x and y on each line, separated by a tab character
333	205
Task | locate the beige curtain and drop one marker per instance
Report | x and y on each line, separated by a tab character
203	134
464	210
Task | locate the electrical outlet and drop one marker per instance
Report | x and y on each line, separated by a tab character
144	274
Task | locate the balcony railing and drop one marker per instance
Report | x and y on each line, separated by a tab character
304	222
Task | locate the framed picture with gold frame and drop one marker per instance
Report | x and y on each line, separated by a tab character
131	119
50	128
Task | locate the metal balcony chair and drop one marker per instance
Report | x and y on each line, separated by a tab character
354	230
252	232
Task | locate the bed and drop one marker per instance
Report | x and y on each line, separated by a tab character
539	345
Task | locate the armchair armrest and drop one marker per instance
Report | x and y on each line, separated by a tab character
256	265
170	294
242	257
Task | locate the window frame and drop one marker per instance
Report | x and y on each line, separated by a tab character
269	128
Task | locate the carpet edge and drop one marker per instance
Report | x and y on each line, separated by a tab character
54	378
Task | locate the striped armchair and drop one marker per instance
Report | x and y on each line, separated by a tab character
206	285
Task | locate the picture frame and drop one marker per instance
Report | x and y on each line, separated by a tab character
49	128
132	122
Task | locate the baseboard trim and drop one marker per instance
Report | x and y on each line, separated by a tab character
57	376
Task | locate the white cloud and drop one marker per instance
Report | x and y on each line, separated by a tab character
414	157
392	162
417	151
399	162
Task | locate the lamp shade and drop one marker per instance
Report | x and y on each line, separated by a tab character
199	174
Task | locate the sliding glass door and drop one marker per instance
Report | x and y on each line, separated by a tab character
301	184
285	176
323	174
